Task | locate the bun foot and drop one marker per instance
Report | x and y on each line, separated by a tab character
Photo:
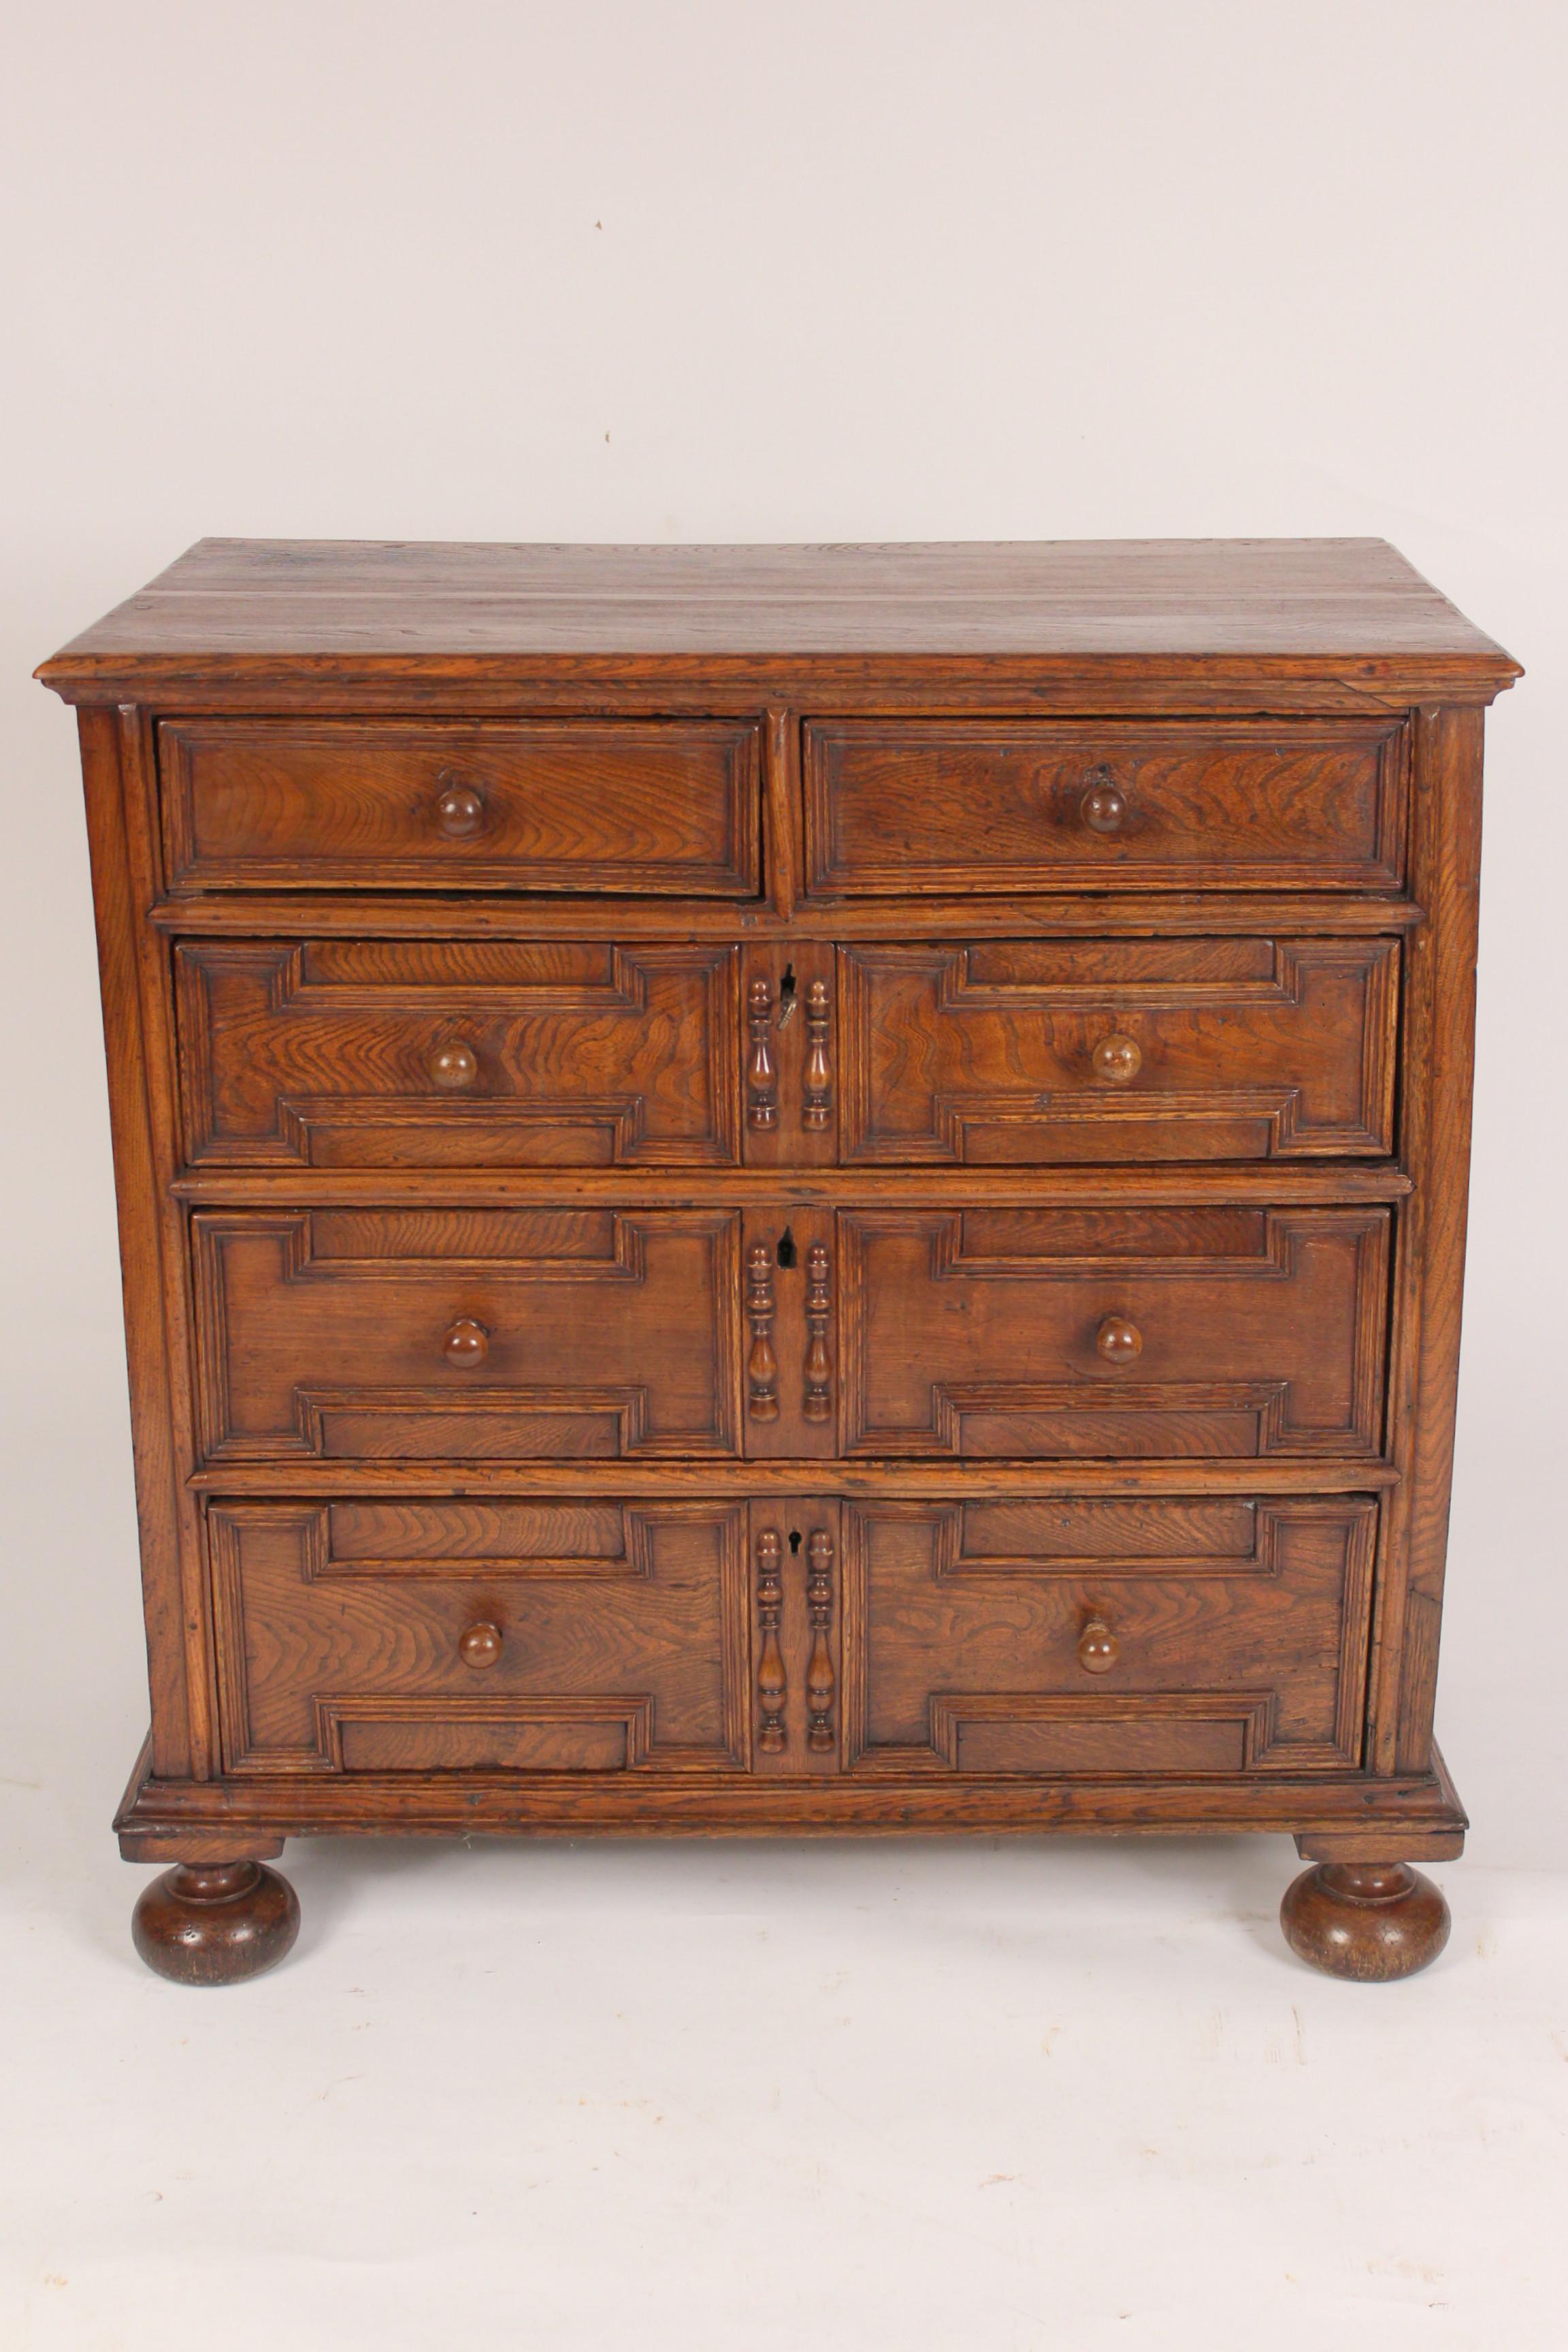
1368	1921
215	1923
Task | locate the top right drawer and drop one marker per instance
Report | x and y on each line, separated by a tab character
896	806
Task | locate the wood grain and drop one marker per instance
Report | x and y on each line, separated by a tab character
1239	1635
328	1053
916	805
1025	991
321	1333
338	1635
1236	1049
977	1332
595	806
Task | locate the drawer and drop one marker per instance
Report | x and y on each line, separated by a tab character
382	1334
418	1636
458	1053
584	805
1107	1332
1106	1636
1018	805
1033	1052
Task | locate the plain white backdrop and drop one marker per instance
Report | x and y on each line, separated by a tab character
821	269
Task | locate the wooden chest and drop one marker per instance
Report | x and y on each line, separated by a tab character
785	1188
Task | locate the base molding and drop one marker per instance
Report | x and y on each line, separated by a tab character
1348	1818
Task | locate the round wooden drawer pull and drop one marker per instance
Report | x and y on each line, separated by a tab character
1118	1060
1119	1340
479	1645
460	811
467	1342
454	1067
1103	808
1098	1647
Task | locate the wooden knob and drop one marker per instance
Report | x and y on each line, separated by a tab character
1119	1340
460	811
1098	1647
1118	1060
467	1342
455	1066
479	1645
1103	808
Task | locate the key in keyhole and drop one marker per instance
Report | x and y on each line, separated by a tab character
786	996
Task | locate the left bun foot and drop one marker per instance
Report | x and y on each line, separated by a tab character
215	1923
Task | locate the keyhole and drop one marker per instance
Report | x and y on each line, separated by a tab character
786	1247
795	1538
786	994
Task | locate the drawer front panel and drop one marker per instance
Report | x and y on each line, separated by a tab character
503	1636
1035	1333
1134	1635
421	1334
458	1053
583	805
899	805
1028	1052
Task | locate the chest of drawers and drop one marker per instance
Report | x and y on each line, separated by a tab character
789	1190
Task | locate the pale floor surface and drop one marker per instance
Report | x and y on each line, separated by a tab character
997	2094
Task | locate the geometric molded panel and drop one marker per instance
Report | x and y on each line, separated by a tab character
581	1333
1216	1049
1236	1631
339	1626
980	1332
461	1054
972	805
581	804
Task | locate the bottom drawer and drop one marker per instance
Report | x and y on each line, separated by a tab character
1122	1636
1052	1638
392	1636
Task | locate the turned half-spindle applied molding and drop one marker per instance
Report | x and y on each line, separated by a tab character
761	1070
818	1403
819	1684
772	1682
816	1107
762	1364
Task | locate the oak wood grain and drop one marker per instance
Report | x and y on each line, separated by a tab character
948	1068
437	1055
1029	1052
649	806
916	805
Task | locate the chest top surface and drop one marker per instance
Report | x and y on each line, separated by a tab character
269	609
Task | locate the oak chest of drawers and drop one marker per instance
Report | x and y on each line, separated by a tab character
777	1190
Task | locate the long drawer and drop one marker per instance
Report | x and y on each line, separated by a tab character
328	1053
1076	1636
638	805
571	1332
1016	806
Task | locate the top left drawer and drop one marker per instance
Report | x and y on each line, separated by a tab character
629	806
